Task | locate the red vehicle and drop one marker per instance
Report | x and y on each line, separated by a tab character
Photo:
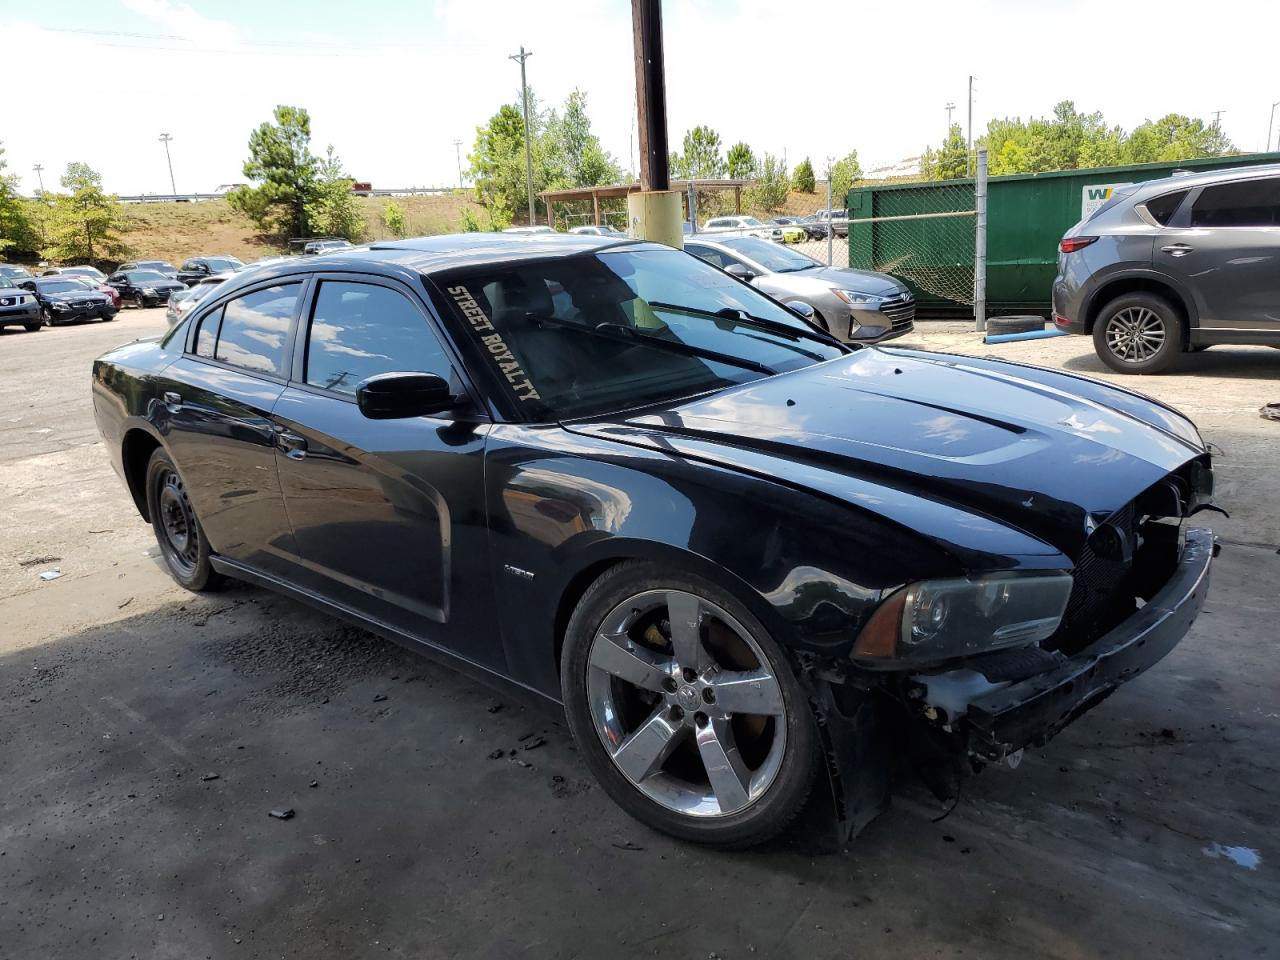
93	284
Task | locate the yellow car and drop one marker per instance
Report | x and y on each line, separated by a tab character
790	232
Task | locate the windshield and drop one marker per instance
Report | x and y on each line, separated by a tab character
751	221
771	256
146	276
223	265
14	272
158	265
584	335
60	286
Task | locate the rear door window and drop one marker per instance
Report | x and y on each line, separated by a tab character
255	329
1245	203
1163	208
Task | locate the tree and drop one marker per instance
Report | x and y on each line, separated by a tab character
1175	137
948	162
768	193
331	209
17	228
497	160
844	173
701	159
393	218
282	167
572	153
742	162
83	223
803	179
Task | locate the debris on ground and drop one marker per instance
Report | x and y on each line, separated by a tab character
526	736
494	707
378	698
208	776
283	813
535	743
124	603
313	784
626	845
497	754
38	561
521	763
53	574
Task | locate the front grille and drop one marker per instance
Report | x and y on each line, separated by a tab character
1102	594
900	310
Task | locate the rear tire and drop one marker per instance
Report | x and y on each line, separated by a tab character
178	532
1138	333
33	327
664	717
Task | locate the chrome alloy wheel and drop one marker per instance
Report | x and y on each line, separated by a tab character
686	703
1135	334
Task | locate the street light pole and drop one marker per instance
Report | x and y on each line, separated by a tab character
39	168
1271	122
457	149
950	106
165	138
522	56
968	163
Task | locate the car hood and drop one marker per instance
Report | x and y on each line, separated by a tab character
984	457
862	281
76	297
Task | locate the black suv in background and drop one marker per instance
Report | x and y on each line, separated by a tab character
197	268
1175	265
145	288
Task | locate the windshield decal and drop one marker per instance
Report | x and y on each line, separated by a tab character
498	350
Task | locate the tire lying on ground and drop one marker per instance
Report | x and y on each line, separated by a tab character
1014	324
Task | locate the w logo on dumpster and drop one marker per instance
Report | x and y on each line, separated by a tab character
1094	195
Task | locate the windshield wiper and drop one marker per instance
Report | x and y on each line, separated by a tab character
619	331
741	316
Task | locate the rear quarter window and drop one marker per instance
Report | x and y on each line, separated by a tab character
1163	208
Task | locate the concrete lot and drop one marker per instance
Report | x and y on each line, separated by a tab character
1147	829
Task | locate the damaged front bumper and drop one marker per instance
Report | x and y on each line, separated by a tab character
1031	711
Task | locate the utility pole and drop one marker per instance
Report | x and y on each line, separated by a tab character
950	106
39	167
1271	122
653	213
1217	117
165	138
521	57
457	150
969	150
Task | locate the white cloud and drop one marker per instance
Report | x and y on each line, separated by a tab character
813	79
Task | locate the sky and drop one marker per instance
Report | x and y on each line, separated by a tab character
393	83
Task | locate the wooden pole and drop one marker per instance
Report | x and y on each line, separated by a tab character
651	94
595	206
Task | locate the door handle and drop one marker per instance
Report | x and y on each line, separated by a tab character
172	399
1177	249
293	445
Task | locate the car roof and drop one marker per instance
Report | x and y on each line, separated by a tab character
1188	180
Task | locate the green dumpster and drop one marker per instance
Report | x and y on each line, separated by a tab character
1027	214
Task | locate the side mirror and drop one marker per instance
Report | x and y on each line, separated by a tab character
396	396
802	309
739	271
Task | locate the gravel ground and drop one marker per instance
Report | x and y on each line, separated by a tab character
146	734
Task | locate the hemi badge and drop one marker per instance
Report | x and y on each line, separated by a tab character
517	572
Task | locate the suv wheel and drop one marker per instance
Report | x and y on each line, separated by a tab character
685	709
1138	333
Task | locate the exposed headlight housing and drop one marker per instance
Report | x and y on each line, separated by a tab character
148	291
935	620
856	298
59	305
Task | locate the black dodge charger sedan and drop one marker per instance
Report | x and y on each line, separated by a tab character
144	288
743	558
68	299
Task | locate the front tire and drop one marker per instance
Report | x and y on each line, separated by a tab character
685	709
178	532
139	301
1138	333
33	327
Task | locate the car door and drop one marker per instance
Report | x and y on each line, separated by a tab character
215	413
388	514
1225	248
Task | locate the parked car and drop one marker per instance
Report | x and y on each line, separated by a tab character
68	299
18	307
748	226
536	228
816	228
144	288
792	231
182	301
838	221
92	273
112	293
1175	265
159	266
591	230
738	554
14	274
312	247
197	268
853	305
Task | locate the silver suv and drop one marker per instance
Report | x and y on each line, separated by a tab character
1175	265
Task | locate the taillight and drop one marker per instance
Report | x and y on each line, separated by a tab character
1071	244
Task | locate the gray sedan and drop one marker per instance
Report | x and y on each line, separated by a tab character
855	305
